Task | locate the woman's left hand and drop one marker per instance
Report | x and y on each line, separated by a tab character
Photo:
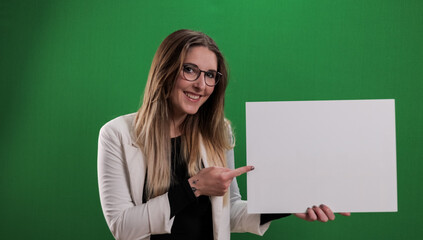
322	213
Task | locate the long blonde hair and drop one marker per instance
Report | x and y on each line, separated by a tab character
153	119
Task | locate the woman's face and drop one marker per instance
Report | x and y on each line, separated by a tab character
188	96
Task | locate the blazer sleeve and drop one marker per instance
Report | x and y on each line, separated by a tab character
126	219
241	221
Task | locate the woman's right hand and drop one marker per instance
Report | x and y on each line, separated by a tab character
215	181
322	213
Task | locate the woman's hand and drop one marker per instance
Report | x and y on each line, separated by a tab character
322	213
215	181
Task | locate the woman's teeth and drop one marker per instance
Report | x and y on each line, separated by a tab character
192	96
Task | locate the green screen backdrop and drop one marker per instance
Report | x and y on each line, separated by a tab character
67	67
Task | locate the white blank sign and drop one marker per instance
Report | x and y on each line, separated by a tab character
305	153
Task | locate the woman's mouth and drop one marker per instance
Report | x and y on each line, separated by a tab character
192	96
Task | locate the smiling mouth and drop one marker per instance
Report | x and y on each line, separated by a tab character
192	96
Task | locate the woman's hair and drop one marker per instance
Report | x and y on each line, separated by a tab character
153	119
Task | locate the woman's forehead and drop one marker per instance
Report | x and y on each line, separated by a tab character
201	56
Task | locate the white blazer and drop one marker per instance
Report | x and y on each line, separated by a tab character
121	176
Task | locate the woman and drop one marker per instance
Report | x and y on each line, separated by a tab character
167	171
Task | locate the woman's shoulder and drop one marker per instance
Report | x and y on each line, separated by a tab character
121	127
229	132
228	124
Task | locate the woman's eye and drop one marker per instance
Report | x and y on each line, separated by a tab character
188	69
211	74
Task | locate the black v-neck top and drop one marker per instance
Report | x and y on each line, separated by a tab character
193	216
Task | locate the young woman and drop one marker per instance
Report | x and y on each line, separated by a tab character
167	171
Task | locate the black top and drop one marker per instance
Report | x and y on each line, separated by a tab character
193	216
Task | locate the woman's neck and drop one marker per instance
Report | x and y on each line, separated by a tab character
175	125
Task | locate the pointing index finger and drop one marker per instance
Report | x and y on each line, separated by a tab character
239	171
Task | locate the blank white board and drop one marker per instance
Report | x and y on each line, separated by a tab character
305	153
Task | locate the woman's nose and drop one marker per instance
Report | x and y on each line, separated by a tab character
201	81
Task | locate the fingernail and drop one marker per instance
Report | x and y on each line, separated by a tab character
252	168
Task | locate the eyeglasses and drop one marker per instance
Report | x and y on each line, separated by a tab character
191	73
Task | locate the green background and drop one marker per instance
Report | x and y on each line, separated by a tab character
67	67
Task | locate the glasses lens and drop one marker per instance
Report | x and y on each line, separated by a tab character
191	72
211	78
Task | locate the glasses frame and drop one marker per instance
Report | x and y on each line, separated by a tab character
217	77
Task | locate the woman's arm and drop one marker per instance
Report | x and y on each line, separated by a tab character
125	219
241	221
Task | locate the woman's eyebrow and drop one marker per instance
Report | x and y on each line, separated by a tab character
209	70
188	63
